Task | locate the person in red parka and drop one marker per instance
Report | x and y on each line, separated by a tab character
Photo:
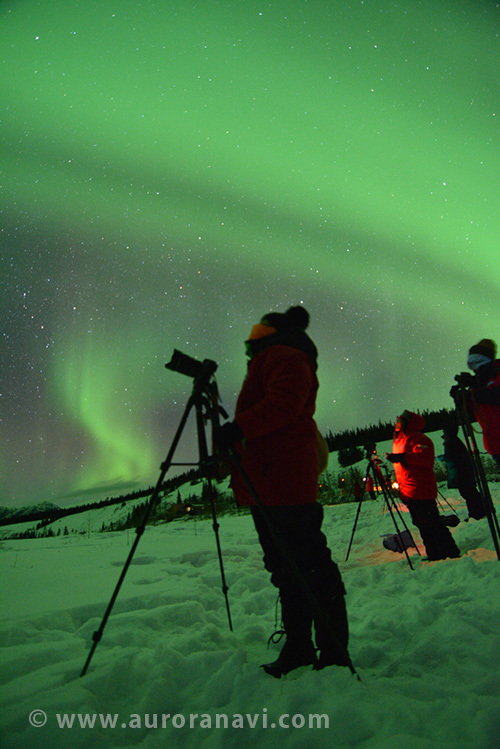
275	437
413	459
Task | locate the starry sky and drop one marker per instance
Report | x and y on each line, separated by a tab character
173	170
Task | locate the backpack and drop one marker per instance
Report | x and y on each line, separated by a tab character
398	541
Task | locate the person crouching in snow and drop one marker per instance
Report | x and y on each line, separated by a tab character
413	460
275	436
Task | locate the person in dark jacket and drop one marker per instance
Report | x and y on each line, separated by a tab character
413	459
484	392
460	471
275	437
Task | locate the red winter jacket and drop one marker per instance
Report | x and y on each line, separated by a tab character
486	393
275	412
415	477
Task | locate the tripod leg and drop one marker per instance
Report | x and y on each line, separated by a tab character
396	508
215	526
204	462
354	527
389	507
482	483
391	503
96	637
358	511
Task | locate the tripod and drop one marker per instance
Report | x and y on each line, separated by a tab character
459	393
205	400
374	468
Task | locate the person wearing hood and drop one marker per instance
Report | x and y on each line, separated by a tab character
276	440
413	460
484	392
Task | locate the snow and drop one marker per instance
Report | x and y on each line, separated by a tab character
425	643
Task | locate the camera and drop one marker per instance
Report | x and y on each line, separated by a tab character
464	379
186	365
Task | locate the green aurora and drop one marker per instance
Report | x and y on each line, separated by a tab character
173	170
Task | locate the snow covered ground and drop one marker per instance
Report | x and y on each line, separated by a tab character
426	643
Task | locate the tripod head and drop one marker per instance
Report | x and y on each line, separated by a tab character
202	373
464	380
370	451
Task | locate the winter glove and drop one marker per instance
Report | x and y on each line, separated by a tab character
227	435
396	458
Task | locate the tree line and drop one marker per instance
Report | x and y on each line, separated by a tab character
383	431
48	516
348	443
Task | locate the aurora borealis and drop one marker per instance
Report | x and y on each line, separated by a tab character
173	170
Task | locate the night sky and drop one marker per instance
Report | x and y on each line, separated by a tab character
173	170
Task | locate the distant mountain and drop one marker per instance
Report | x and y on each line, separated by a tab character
29	510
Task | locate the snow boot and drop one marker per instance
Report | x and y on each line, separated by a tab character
297	618
293	655
438	541
332	634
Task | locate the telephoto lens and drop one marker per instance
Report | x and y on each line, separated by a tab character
186	365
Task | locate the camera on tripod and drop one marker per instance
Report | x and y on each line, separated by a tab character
186	365
464	379
204	400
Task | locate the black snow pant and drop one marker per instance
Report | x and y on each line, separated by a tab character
473	500
299	528
438	541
